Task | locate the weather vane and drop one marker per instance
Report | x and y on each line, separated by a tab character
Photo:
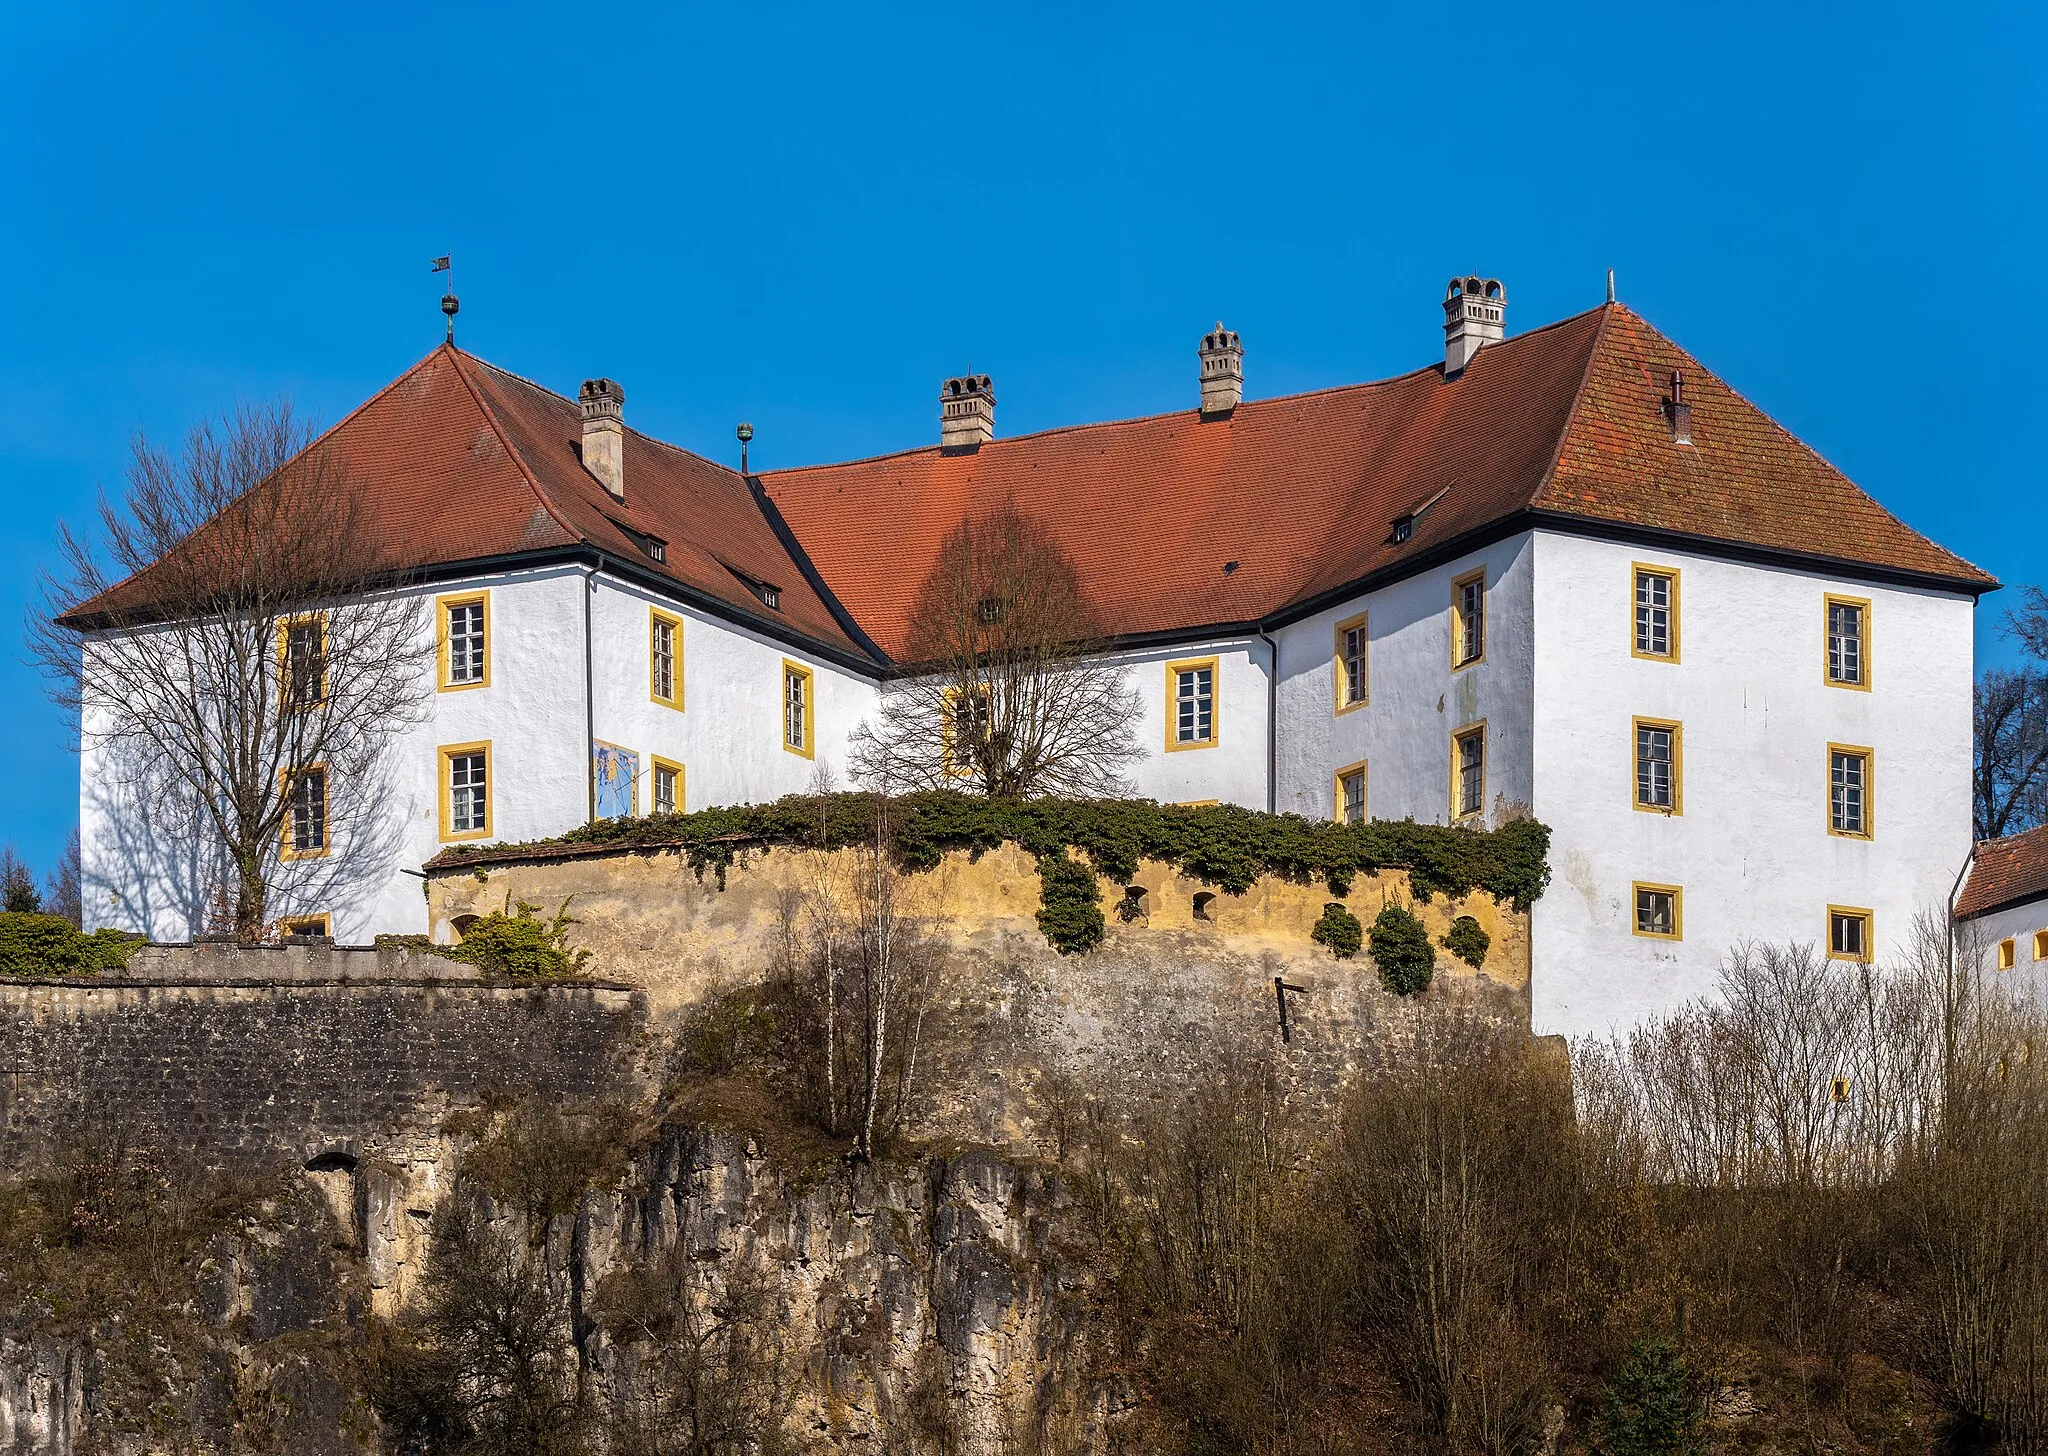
446	264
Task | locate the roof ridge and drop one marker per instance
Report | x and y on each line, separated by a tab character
1769	419
497	426
1571	415
1271	399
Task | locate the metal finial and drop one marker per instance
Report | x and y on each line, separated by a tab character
449	304
744	433
1610	285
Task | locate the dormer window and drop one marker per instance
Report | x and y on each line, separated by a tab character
771	596
1404	527
656	548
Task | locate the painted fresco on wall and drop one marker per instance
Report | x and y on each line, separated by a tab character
617	772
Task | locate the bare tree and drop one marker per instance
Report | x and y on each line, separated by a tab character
1009	691
2010	771
239	636
61	891
859	970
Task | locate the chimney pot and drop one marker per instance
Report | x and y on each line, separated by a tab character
604	434
1222	356
967	412
1475	314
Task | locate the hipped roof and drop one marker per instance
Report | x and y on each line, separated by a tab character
1174	522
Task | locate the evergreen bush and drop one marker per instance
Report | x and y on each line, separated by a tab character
1401	950
1468	942
1651	1407
1069	905
515	941
1339	930
33	944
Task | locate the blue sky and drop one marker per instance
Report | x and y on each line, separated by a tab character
806	216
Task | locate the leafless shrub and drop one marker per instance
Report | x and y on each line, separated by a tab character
235	629
1010	694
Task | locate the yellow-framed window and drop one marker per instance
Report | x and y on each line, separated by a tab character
466	791
1468	618
1659	766
1847	660
321	924
1852	789
2041	945
2008	953
1192	716
1851	933
669	788
1468	771
1350	799
665	658
963	722
1654	630
799	713
302	661
1658	911
306	828
462	641
1354	682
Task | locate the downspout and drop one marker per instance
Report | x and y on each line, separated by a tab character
589	706
1272	722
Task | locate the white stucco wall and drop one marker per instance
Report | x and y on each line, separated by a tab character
1415	700
1751	848
1978	938
1234	770
140	860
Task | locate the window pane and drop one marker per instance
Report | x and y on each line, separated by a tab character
1471	619
793	708
1846	794
1354	664
1352	809
1845	642
1195	705
466	642
1471	772
1656	912
466	792
664	790
1846	934
1653	614
309	812
1654	783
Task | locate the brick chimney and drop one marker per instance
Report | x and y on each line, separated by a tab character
1222	355
604	434
1475	313
967	412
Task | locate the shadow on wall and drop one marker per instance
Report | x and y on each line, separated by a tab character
151	859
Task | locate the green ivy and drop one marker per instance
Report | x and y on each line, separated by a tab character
515	941
1339	930
1069	904
32	944
1221	845
1401	950
1468	942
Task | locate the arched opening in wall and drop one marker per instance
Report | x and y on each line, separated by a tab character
334	1160
462	925
1203	899
1132	906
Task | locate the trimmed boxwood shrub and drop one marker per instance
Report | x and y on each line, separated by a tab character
49	945
1339	930
1401	950
1468	942
1069	904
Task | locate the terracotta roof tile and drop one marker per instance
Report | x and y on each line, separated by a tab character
2004	872
1174	522
458	461
1302	491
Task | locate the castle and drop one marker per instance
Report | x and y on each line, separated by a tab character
1568	572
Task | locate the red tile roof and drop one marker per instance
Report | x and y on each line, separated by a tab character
2005	872
1174	522
1301	492
459	461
